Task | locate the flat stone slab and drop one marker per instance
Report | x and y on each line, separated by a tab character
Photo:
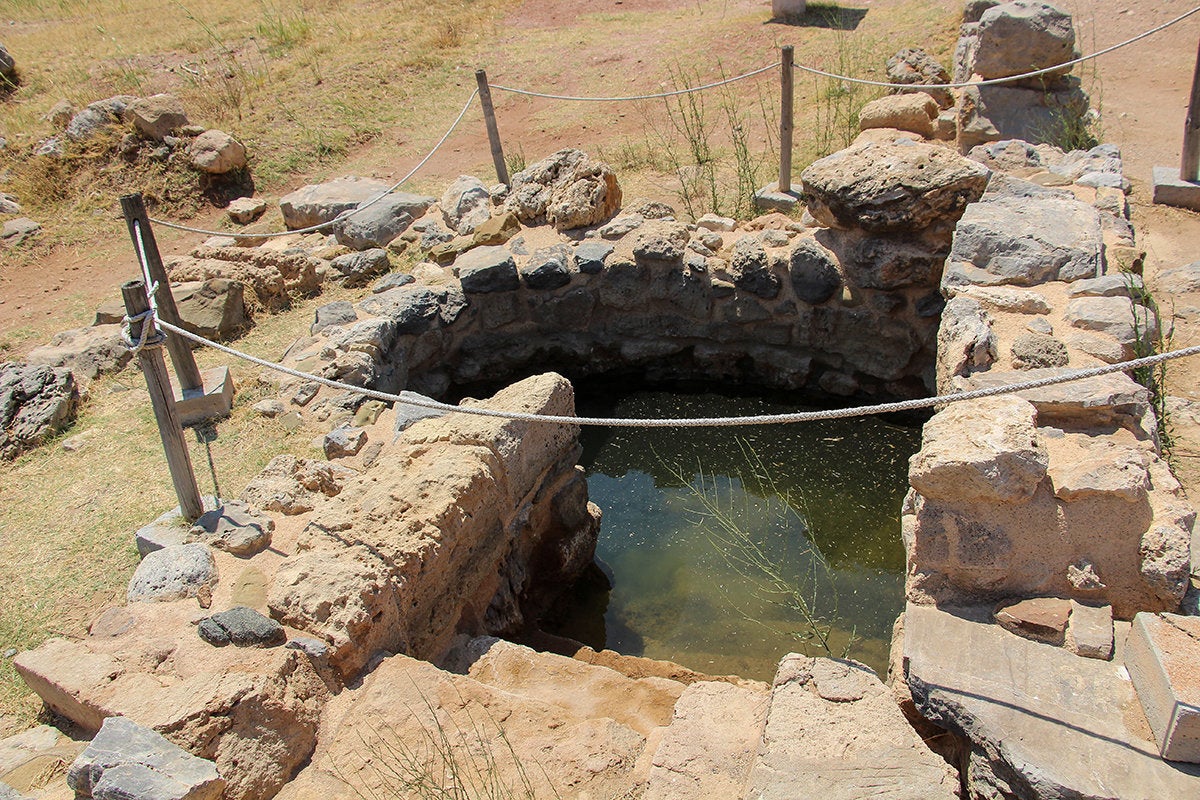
708	748
834	732
1163	659
127	760
1046	722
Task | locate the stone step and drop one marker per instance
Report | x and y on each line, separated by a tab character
585	690
708	748
413	725
1041	721
834	732
1163	656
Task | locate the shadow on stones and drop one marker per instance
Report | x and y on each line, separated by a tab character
220	190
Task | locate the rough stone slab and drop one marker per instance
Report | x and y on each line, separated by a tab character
130	762
1171	190
1163	659
1090	401
173	573
487	269
708	748
834	732
87	352
1042	619
213	400
235	528
1090	631
1043	721
323	202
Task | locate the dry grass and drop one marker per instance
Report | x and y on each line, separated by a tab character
67	518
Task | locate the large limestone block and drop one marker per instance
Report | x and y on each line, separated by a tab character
996	113
914	111
1133	326
253	712
980	450
892	186
709	747
273	277
584	690
214	309
1042	722
834	732
1161	657
1103	400
567	189
412	723
1023	36
1025	242
324	202
491	506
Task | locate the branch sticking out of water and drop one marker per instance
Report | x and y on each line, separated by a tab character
724	520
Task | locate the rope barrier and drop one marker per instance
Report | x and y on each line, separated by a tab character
701	422
1010	79
657	96
345	214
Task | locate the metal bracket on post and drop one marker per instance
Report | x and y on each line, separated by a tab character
489	118
158	383
180	349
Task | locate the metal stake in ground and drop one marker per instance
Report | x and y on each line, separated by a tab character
158	383
181	351
489	118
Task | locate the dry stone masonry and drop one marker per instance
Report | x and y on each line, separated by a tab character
340	620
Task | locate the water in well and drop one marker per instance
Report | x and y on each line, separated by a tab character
728	547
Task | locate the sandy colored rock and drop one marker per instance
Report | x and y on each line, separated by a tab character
567	189
980	450
217	153
1042	619
1090	631
914	111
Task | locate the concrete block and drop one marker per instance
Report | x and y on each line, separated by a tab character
1161	657
769	198
1171	190
214	400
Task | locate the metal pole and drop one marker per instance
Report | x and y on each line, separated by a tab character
1189	169
180	349
489	117
158	382
786	93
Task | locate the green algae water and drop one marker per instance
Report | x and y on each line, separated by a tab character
724	546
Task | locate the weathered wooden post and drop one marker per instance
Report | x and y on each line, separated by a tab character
180	349
779	196
1189	169
786	93
158	383
1183	189
489	118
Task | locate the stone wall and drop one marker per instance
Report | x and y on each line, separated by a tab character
461	525
1060	491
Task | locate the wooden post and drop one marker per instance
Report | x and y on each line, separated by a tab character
489	117
786	93
1189	169
180	349
158	382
